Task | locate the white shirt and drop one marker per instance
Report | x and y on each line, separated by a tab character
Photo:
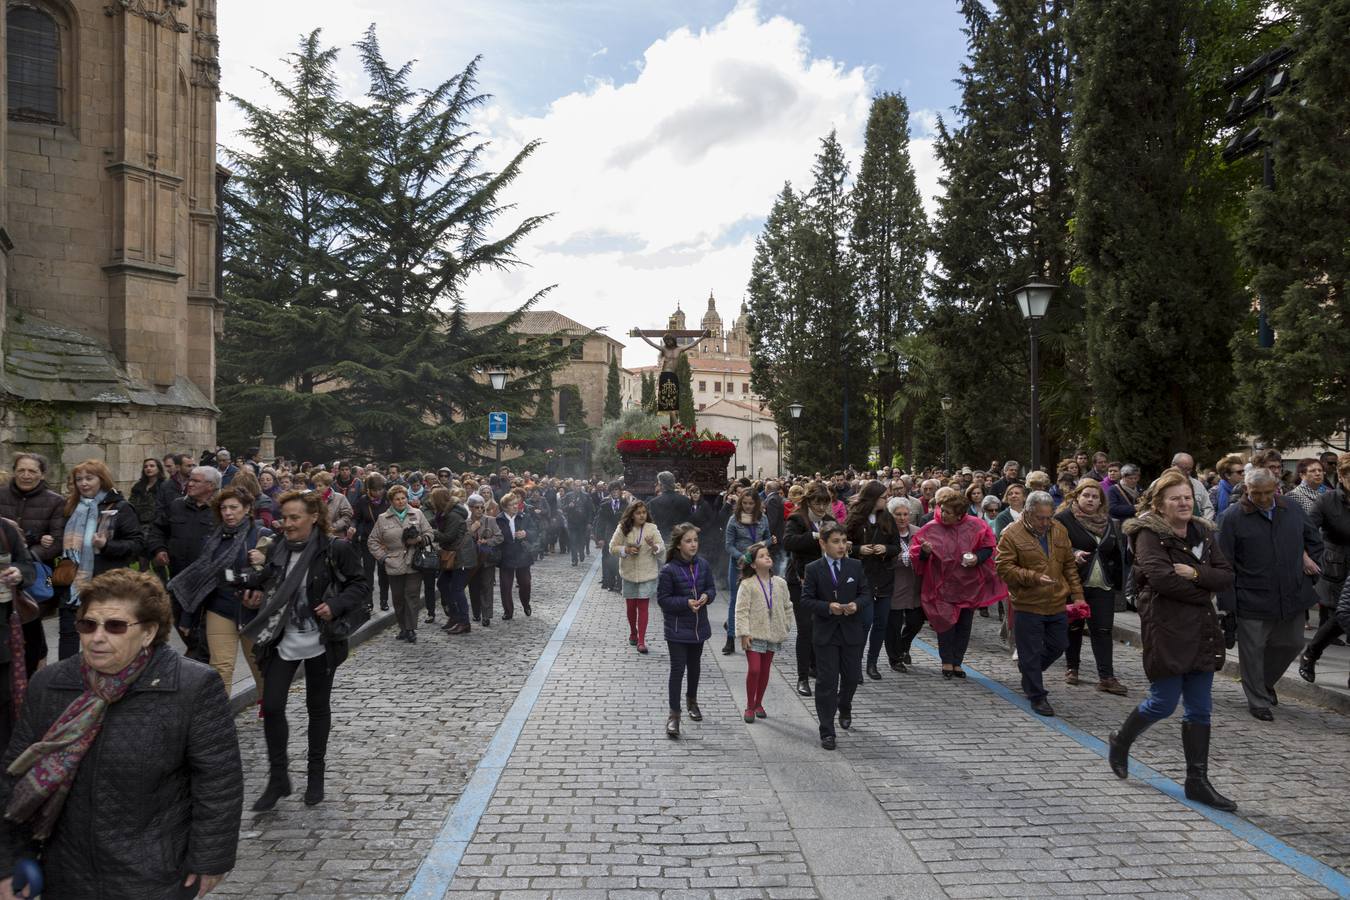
300	640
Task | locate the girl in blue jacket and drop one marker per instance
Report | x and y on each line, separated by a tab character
684	590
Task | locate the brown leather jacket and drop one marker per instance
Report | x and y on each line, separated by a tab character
1021	562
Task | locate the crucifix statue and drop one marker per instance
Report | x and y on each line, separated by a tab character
670	351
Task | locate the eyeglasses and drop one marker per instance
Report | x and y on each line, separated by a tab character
111	626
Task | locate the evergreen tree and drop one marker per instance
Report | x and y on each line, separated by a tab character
890	239
1157	266
1298	392
648	392
613	405
1002	219
687	415
351	233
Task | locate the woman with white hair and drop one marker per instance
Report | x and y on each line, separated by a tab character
907	617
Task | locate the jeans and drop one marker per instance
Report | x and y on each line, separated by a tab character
1098	626
684	658
881	615
1192	689
1040	641
953	643
902	627
318	690
481	582
451	585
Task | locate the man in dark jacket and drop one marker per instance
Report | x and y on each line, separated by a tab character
1010	476
178	535
578	511
773	508
836	594
606	521
669	508
1276	554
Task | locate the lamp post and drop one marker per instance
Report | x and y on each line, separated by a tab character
562	452
497	378
946	435
795	410
1033	299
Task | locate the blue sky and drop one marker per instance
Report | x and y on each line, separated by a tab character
667	127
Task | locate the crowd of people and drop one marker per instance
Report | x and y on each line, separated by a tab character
287	561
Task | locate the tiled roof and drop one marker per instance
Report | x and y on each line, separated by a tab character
534	321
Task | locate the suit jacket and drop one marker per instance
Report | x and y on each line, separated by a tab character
819	591
773	508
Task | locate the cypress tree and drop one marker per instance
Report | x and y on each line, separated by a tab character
890	240
648	392
613	405
687	415
1157	266
1298	392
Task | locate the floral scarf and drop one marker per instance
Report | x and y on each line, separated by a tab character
1095	523
77	541
46	769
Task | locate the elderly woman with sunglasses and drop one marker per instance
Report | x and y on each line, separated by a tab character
124	763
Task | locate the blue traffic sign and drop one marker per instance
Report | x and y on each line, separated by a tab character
497	424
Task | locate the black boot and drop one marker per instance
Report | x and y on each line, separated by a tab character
1120	741
314	783
278	786
729	647
1195	741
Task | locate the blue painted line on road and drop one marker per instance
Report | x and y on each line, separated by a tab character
447	848
1262	840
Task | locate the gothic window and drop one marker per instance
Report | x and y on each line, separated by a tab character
34	59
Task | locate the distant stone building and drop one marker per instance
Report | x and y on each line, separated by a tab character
589	353
109	287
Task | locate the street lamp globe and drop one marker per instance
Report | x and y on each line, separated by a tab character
562	428
1033	298
498	378
795	410
946	404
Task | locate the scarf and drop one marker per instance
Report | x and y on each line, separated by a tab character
1095	523
401	514
77	542
198	581
48	766
285	596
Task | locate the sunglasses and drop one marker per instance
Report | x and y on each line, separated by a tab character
111	626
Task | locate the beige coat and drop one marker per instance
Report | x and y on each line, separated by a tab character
386	540
646	566
340	515
753	618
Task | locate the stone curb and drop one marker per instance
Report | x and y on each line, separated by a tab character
1290	685
245	694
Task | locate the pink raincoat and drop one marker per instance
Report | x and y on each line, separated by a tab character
948	586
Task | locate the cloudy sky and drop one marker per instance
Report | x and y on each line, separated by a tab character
667	127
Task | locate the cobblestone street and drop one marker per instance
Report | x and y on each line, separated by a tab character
941	789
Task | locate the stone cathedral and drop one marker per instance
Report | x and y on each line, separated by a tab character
109	252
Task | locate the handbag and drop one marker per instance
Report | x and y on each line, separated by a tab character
23	602
63	573
447	559
426	559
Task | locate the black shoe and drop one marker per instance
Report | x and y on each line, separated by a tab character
486	623
695	714
984	612
430	619
1261	712
958	673
278	786
729	647
1274	699
508	617
811	672
673	725
904	658
1195	742
402	635
1122	739
314	784
1042	707
946	674
872	672
898	666
525	606
1307	669
384	606
845	719
632	640
827	742
412	637
804	687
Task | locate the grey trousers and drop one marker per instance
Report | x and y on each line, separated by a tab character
406	590
1265	649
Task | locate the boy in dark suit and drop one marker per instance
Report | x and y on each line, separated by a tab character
836	592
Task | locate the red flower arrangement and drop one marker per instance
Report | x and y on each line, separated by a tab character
678	440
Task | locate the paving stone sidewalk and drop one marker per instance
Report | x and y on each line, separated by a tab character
409	724
942	789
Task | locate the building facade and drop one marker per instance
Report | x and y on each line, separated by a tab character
109	276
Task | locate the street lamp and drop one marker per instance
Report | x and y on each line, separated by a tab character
562	451
1033	299
946	435
562	428
795	410
497	378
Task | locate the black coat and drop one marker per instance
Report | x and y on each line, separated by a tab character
773	508
149	502
880	570
1267	558
365	511
518	553
607	519
11	542
1332	516
124	540
800	542
159	794
668	509
37	512
181	529
819	591
336	559
1108	551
